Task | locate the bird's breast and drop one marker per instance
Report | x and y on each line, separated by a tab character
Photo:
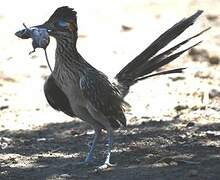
69	83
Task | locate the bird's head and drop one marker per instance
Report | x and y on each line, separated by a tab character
62	23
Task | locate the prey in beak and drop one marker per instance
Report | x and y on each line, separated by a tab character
40	38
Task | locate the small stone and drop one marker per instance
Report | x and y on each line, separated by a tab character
195	108
4	173
212	17
9	79
190	124
200	55
203	74
41	139
9	58
90	132
125	28
44	77
4	107
214	60
214	93
181	107
143	123
65	176
43	66
177	78
82	36
212	134
3	145
74	132
33	57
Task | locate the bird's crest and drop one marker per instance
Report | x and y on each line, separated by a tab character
65	13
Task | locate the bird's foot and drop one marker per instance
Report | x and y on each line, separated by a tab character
105	166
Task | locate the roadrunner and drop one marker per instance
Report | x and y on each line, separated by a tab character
78	89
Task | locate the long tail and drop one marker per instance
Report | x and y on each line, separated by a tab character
147	62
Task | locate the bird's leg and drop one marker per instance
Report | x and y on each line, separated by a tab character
108	157
89	157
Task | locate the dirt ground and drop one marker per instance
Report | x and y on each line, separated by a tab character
173	127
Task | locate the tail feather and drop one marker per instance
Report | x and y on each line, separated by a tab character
152	67
164	62
160	42
147	62
144	68
178	70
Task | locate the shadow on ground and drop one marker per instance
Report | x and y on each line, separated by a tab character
152	150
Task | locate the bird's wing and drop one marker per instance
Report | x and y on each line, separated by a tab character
103	96
56	97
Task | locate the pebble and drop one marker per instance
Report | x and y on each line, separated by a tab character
4	107
125	28
65	176
190	124
214	93
177	78
181	107
214	60
200	55
203	74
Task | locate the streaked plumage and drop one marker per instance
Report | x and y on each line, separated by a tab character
78	89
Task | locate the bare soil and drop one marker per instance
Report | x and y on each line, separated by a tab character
173	127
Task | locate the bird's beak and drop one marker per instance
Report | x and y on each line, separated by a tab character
26	34
46	26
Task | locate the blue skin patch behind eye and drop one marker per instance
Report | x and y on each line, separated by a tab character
62	23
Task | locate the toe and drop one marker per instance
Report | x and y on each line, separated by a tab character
106	166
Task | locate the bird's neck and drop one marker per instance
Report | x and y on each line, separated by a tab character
66	43
69	63
66	51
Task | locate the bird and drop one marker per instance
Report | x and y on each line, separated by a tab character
78	89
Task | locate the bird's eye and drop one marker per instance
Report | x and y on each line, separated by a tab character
63	24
